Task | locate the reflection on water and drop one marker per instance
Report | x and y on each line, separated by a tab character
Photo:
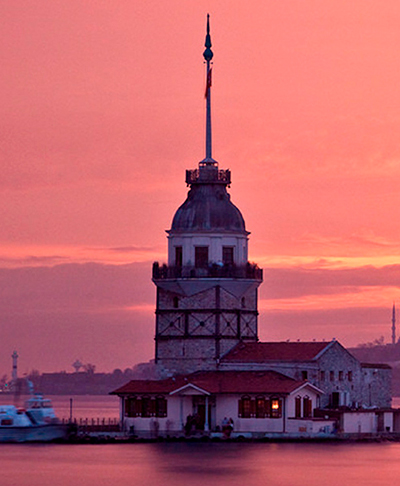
198	464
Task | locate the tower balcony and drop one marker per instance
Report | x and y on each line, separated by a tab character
250	271
208	174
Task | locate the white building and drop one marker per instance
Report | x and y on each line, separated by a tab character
220	403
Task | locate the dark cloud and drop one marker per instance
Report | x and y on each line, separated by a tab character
282	283
74	287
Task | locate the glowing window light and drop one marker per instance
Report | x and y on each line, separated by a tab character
275	404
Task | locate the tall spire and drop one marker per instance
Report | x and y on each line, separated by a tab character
208	55
394	324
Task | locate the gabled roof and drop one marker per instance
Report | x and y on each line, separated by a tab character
216	382
276	351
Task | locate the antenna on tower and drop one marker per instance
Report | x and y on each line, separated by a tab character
394	324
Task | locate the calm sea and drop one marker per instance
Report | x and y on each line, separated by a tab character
200	464
193	464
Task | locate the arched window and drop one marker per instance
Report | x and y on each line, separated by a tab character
147	407
161	406
246	407
307	407
297	407
261	408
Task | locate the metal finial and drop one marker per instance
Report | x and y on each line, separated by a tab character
208	53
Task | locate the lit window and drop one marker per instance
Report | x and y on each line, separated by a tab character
276	408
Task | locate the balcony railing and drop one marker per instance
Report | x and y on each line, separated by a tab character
208	175
249	271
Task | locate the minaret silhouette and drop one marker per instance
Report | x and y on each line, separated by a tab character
394	324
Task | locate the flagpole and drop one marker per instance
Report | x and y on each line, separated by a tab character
208	55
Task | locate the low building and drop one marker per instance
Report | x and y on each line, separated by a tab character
222	403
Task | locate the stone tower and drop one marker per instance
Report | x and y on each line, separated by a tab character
207	294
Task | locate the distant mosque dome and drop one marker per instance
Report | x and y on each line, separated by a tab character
208	208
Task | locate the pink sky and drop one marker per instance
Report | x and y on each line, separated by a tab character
103	110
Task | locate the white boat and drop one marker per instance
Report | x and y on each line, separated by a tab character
36	422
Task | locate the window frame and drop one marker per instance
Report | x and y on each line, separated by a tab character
245	407
297	407
276	412
201	260
179	256
228	255
307	407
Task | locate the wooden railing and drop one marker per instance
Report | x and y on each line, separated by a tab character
86	425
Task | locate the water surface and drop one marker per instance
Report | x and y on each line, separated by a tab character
192	464
198	464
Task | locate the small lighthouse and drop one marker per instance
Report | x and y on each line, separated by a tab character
14	374
207	293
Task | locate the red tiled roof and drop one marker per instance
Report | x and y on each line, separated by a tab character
217	382
284	351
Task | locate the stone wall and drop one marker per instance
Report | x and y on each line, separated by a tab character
339	373
376	390
194	331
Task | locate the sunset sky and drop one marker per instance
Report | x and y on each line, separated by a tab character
103	109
